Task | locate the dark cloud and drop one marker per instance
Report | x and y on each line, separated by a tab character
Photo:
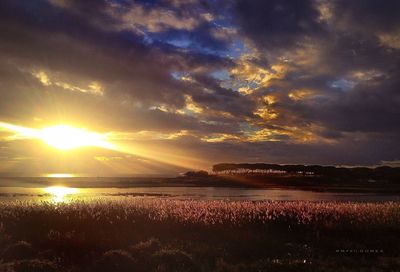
351	151
73	49
278	23
368	15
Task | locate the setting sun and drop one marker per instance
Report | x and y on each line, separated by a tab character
66	137
62	137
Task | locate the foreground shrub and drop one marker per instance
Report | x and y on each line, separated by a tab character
192	235
18	251
116	261
34	265
145	248
174	260
143	253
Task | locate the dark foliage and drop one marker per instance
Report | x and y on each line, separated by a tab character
382	173
19	250
171	235
196	174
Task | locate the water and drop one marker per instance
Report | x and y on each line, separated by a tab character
59	194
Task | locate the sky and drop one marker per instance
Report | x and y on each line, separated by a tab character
178	85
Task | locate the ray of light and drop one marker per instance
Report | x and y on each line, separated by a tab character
64	137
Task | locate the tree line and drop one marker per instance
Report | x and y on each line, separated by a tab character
370	173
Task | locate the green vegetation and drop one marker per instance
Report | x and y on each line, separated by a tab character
153	234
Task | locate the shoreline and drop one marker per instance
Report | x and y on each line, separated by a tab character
254	183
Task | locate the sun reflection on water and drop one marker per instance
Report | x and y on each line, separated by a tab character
59	193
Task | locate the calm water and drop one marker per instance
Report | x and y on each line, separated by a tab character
65	193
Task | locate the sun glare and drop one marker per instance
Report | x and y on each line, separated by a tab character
68	138
59	175
62	137
59	192
65	137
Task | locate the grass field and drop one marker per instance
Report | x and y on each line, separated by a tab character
152	234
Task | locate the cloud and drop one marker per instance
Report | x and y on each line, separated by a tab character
284	23
279	81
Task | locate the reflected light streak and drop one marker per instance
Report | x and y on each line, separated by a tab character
60	192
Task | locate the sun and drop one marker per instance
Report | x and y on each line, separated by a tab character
65	137
62	137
